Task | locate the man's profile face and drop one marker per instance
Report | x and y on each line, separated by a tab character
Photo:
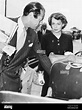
35	22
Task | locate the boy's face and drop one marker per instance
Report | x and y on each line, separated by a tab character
56	25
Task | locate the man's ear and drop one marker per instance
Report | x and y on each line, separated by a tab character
31	14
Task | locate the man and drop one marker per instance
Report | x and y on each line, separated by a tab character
33	14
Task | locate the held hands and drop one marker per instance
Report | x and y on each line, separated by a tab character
67	56
71	58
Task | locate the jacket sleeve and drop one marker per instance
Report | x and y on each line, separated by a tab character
70	44
44	60
43	43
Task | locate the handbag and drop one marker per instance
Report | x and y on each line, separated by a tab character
66	80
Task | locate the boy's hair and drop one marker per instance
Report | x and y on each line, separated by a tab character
58	16
34	7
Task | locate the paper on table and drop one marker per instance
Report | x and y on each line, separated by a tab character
9	49
7	26
0	55
3	37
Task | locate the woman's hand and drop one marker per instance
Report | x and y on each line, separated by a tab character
71	58
49	93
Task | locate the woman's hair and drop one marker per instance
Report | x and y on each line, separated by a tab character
58	16
34	7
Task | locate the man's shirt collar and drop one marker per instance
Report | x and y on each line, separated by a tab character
20	23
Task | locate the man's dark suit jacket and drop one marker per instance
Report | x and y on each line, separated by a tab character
10	66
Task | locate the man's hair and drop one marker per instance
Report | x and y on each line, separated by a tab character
44	26
34	7
58	16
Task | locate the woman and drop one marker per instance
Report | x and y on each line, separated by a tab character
55	40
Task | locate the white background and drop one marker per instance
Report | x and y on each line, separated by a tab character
72	9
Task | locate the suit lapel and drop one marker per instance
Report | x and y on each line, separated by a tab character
22	54
13	40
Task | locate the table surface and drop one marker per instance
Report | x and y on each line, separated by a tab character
14	97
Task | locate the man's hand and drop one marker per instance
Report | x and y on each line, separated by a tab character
71	58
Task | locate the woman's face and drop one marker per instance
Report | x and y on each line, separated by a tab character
56	25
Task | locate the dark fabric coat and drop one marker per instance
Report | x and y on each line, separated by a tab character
58	46
10	66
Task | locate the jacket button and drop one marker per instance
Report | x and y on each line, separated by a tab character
5	82
76	82
58	51
52	82
64	92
